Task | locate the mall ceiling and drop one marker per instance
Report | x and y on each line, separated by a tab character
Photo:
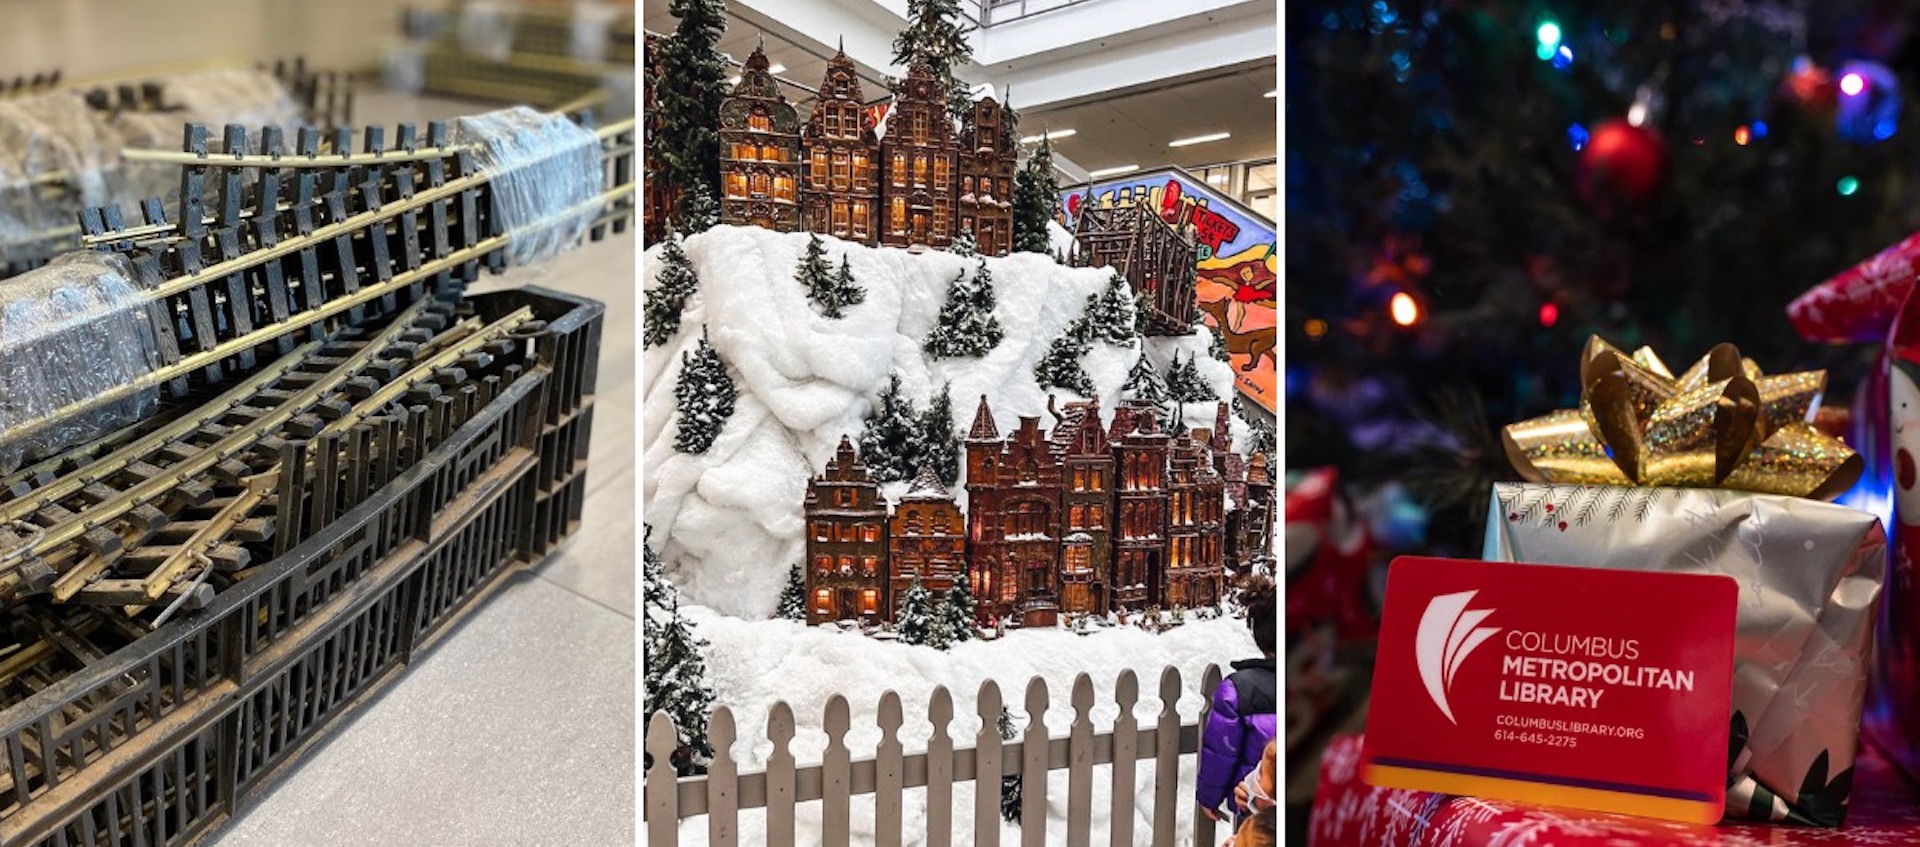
1115	129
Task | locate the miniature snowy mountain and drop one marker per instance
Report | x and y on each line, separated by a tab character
727	522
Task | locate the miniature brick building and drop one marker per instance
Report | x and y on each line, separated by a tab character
929	540
919	163
1250	523
988	155
846	543
842	190
759	152
1078	521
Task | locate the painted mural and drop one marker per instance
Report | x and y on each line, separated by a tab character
1238	267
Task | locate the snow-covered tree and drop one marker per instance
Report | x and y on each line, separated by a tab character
957	611
1144	384
914	621
964	243
676	672
1185	385
704	395
1216	341
793	597
816	276
936	36
1260	437
1142	308
698	212
668	298
1061	368
889	444
1112	313
967	326
936	447
1035	195
845	291
686	141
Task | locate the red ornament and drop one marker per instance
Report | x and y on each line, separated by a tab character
1623	167
1811	88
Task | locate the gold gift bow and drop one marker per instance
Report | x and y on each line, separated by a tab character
1722	424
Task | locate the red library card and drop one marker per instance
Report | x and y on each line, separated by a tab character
1582	687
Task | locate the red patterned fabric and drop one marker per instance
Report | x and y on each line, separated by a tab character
1350	813
1858	304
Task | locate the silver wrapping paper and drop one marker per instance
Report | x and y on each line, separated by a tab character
1810	573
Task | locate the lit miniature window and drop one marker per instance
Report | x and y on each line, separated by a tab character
860	218
869	565
818	171
823	602
759	122
846	566
940	171
839	215
823	565
822	531
869	602
1077	517
899	169
869	533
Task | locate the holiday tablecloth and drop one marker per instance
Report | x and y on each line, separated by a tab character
1350	813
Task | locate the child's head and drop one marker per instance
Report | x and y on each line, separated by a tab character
1257	596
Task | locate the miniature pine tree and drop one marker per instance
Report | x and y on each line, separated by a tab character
704	394
699	212
939	631
793	597
676	672
1035	194
934	35
957	611
1113	313
936	447
914	621
1260	435
1144	384
889	443
686	140
845	291
964	243
967	326
668	298
1142	309
1184	384
816	276
1060	368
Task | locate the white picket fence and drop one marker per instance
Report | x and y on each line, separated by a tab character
723	791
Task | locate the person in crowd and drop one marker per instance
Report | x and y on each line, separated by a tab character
1244	719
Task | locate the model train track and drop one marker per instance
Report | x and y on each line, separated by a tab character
298	241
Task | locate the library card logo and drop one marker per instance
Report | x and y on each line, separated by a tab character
1448	634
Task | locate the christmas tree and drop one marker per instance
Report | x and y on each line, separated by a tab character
1060	367
817	277
888	445
676	673
914	620
967	326
704	395
1261	436
1184	384
793	597
937	447
935	36
1035	196
964	243
687	140
1526	175
668	297
1010	784
1113	313
957	612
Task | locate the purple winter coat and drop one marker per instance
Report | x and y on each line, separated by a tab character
1243	719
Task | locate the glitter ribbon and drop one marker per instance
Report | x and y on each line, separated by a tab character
1721	424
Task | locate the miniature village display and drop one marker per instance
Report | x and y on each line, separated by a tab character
1082	520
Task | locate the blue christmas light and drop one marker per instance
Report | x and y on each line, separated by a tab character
1759	129
1884	129
1563	59
1577	136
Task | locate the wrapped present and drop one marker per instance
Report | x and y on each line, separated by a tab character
1716	472
1347	812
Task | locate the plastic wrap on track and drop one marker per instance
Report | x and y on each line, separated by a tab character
546	176
71	332
51	135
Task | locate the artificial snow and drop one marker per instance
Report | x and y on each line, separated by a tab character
728	522
754	664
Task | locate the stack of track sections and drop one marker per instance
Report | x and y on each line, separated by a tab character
347	455
559	58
